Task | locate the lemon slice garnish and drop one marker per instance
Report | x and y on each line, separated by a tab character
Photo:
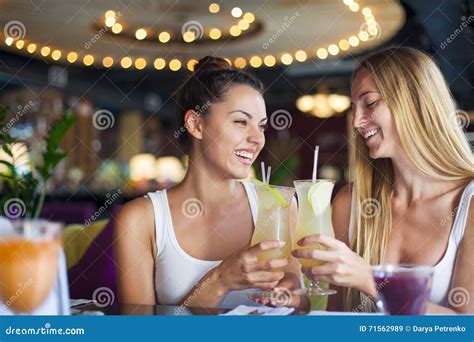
270	196
319	196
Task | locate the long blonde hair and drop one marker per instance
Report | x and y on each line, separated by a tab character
424	111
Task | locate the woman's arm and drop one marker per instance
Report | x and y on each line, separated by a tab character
240	271
133	252
461	295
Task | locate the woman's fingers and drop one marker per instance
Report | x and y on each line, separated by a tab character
263	277
317	254
324	240
316	271
264	246
265	265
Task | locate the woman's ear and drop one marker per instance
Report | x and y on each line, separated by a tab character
193	123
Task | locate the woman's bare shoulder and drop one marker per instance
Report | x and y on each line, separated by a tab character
139	210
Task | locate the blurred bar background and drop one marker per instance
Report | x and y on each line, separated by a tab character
117	64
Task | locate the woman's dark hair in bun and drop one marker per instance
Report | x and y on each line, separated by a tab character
211	78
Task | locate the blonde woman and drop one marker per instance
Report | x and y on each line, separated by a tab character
414	169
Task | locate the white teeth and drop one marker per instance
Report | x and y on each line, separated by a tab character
244	154
370	133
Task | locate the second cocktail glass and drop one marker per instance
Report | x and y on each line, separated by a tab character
314	217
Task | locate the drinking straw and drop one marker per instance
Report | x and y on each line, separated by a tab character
262	166
269	171
315	162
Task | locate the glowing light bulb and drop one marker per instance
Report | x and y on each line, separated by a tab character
141	34
88	60
71	57
322	53
164	37
126	62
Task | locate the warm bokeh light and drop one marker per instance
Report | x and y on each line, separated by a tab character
56	55
117	28
88	60
354	41
20	44
344	45
175	65
110	21
45	51
235	31
9	41
363	36
142	166
339	102
243	24
305	103
214	8
140	63
71	57
189	36
236	12
191	63
301	56
240	62
141	34
215	33
354	7
269	60
159	63
107	62
110	14
164	37
373	30
286	59
31	48
255	62
249	17
333	49
126	62
322	53
366	11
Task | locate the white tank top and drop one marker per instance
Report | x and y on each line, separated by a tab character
443	270
176	272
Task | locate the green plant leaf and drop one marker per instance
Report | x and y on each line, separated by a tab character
59	130
8	165
7	150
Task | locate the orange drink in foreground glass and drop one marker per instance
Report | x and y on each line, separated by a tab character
29	251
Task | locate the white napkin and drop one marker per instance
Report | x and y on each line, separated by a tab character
243	310
79	302
342	313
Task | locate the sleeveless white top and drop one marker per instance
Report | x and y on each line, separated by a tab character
443	270
176	272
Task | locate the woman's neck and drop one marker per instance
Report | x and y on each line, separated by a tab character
211	188
410	185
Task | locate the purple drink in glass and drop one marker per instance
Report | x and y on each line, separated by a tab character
403	289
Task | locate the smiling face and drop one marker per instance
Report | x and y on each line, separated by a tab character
373	119
233	131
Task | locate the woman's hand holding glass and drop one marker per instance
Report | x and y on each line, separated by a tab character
243	270
341	266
